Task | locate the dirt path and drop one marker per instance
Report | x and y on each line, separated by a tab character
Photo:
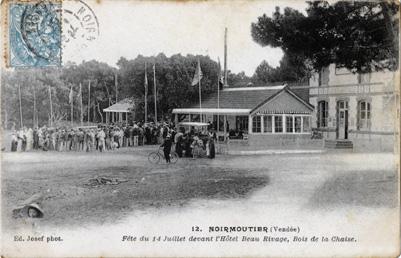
308	180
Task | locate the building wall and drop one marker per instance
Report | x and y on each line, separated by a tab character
283	141
376	88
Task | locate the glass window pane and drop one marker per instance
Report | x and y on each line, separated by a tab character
278	124
267	124
298	120
289	127
323	113
256	124
362	114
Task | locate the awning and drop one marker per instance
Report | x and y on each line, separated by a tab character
213	111
196	124
123	106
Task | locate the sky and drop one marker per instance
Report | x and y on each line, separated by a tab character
129	28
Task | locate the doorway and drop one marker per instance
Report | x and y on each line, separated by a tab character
342	120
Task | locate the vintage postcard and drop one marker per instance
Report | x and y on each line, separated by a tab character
220	128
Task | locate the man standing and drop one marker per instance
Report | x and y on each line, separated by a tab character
167	148
101	139
80	136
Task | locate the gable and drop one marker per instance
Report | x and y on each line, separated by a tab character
284	102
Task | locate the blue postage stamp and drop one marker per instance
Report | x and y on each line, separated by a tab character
34	34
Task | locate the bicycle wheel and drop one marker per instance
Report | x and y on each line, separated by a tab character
173	157
154	157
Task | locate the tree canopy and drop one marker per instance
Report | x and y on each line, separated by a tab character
173	80
291	69
359	35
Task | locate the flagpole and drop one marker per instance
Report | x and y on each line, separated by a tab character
72	107
225	58
154	91
146	95
34	106
218	98
51	107
116	84
200	101
89	99
81	104
20	105
200	93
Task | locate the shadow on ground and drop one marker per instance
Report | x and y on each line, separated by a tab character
69	201
357	188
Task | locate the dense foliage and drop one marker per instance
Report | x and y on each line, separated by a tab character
173	80
359	35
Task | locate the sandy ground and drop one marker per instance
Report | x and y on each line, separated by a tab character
322	194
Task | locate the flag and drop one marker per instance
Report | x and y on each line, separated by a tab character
71	96
198	75
146	81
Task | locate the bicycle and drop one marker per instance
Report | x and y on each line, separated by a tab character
155	156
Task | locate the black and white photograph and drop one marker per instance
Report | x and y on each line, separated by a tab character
138	128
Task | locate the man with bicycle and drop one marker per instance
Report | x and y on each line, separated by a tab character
167	147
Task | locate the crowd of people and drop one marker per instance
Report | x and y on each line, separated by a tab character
192	143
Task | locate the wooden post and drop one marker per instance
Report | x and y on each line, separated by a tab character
225	58
51	107
155	91
116	85
20	105
249	124
225	127
89	99
34	106
94	113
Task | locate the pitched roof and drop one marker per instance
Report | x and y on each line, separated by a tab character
284	101
124	105
250	99
239	98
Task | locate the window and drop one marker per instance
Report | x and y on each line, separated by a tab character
306	124
289	124
242	123
363	78
324	76
322	113
267	124
278	124
256	124
298	124
364	114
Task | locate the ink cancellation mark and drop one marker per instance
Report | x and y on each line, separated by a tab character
34	34
80	25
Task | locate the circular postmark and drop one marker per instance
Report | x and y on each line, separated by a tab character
41	30
80	25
